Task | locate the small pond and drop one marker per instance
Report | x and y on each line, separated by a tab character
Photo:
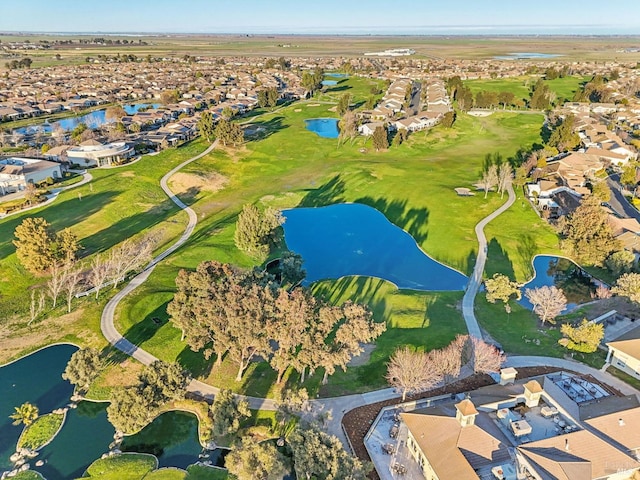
576	284
173	438
329	83
93	119
336	75
355	239
323	127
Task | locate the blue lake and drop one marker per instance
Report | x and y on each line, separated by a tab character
92	120
336	75
526	56
354	239
562	273
323	127
329	83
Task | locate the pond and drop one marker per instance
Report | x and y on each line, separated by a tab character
336	75
93	119
355	239
323	127
35	379
173	438
85	436
562	273
329	83
87	433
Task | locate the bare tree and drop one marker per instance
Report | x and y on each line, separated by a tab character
101	271
485	358
411	372
447	361
602	292
548	302
505	176
489	179
36	307
56	282
71	285
129	256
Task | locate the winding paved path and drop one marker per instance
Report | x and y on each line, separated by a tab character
107	320
476	277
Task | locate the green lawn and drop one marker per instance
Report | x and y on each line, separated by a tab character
41	431
127	466
625	377
563	88
28	475
515	237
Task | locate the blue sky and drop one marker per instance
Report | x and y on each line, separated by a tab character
322	16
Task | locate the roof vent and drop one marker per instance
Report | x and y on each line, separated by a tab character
621	422
566	444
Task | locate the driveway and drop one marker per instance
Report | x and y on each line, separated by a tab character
618	203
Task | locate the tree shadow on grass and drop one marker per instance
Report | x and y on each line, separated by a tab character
413	220
527	248
260	130
327	194
338	88
127	227
59	215
195	362
498	260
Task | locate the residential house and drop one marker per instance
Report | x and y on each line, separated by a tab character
16	173
624	353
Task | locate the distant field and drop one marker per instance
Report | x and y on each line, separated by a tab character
571	48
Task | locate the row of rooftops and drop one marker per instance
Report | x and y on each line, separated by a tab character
576	441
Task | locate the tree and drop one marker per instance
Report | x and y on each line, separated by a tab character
101	272
169	96
130	255
30	193
25	414
489	178
290	269
348	126
500	287
256	461
588	235
206	126
600	190
448	119
128	411
464	97
380	139
71	285
506	98
447	361
485	358
115	112
563	135
319	455
34	241
229	133
56	282
628	285
83	368
410	372
255	230
165	381
629	174
505	177
66	246
584	338
548	302
620	262
540	96
343	104
227	412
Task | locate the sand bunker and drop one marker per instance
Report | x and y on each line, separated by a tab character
186	182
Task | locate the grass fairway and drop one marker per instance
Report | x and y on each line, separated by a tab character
126	466
41	431
564	88
413	185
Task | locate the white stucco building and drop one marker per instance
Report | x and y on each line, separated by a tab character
95	154
16	173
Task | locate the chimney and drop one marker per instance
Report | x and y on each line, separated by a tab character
508	375
532	393
566	444
466	412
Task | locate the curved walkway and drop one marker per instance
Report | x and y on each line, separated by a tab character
107	320
478	269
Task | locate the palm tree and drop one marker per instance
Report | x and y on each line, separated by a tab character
25	413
